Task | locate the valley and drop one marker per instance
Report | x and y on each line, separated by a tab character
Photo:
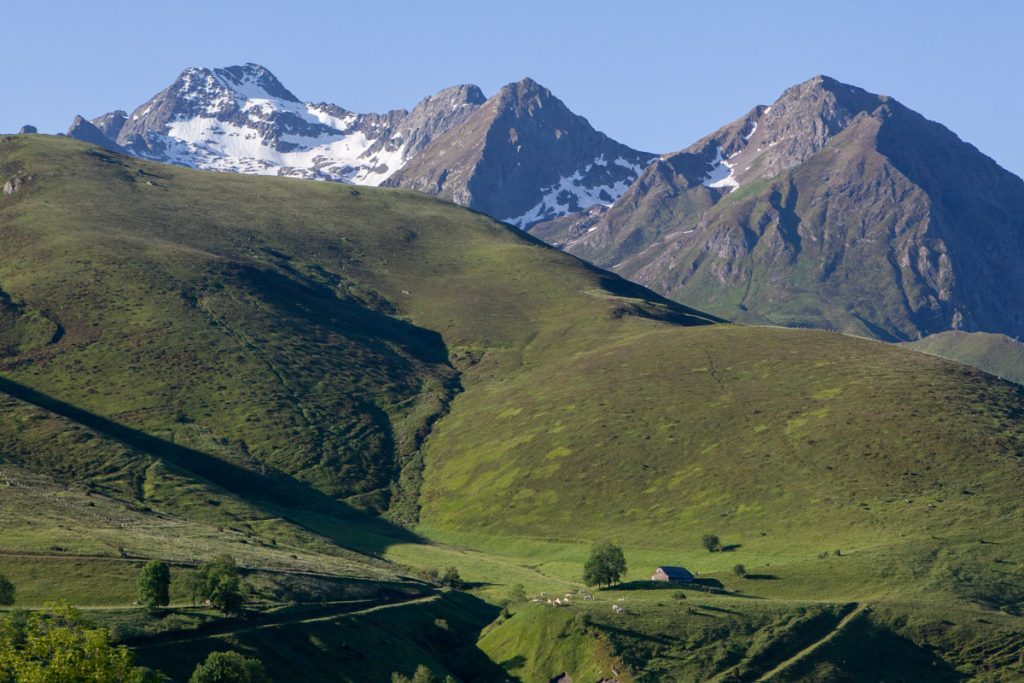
346	387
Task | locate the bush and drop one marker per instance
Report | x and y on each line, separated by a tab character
739	570
6	591
229	667
581	624
154	584
517	594
607	565
431	575
711	543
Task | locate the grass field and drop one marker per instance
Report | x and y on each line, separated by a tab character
343	387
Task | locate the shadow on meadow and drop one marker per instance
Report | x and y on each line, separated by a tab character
274	492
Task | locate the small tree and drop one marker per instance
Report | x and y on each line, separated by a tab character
229	667
451	578
6	591
154	584
607	565
711	543
739	570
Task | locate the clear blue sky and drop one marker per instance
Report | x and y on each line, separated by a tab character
656	78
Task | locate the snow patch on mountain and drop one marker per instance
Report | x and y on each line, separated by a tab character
575	192
721	173
224	146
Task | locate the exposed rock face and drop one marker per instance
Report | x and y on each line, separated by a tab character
524	157
28	129
436	114
111	124
831	208
15	184
84	130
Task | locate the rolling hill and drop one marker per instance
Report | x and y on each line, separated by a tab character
994	353
356	381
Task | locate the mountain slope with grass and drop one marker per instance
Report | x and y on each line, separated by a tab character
994	353
276	368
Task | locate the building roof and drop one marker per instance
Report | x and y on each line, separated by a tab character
675	572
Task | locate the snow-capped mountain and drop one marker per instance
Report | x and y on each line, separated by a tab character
242	119
544	160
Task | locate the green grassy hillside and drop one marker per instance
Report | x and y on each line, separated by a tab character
224	362
994	353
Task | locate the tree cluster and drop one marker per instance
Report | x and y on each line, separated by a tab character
218	582
58	644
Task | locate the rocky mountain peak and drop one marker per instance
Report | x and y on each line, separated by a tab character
524	156
771	139
821	104
111	123
525	96
857	214
83	129
252	80
437	113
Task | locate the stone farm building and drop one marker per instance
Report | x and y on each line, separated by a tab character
672	575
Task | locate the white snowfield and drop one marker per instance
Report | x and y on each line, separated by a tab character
220	146
721	174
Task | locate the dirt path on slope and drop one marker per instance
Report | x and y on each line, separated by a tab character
236	628
813	647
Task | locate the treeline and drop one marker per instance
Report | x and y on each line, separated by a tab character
217	583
